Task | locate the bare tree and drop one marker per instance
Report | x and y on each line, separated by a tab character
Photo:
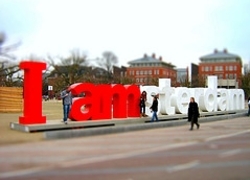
9	79
108	60
126	80
69	70
8	68
5	49
184	82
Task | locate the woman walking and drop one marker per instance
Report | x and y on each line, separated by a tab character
193	113
154	108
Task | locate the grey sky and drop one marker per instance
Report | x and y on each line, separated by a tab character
180	31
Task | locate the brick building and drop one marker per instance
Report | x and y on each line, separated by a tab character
226	66
148	69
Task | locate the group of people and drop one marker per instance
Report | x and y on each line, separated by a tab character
193	109
153	107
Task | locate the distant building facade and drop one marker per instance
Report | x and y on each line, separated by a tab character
182	76
119	71
148	69
194	74
226	66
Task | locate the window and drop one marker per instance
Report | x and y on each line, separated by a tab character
230	76
137	72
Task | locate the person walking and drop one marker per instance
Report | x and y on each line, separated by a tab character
154	109
193	113
66	97
143	99
248	103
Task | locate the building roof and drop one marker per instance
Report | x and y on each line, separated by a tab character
220	55
149	59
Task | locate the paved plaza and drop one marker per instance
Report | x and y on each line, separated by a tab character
218	150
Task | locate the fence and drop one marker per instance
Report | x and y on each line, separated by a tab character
11	99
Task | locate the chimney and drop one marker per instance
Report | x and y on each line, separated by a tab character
153	55
160	58
225	50
215	51
145	55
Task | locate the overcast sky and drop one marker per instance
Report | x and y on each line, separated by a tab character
181	31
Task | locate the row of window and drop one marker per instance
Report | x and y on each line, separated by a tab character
216	60
142	80
122	74
146	65
231	76
227	76
219	68
145	72
151	72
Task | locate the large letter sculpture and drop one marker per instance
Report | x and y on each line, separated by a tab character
117	101
32	92
99	101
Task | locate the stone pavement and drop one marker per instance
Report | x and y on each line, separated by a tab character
162	153
140	124
57	129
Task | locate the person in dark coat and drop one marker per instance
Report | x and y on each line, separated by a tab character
154	109
248	103
193	113
143	100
